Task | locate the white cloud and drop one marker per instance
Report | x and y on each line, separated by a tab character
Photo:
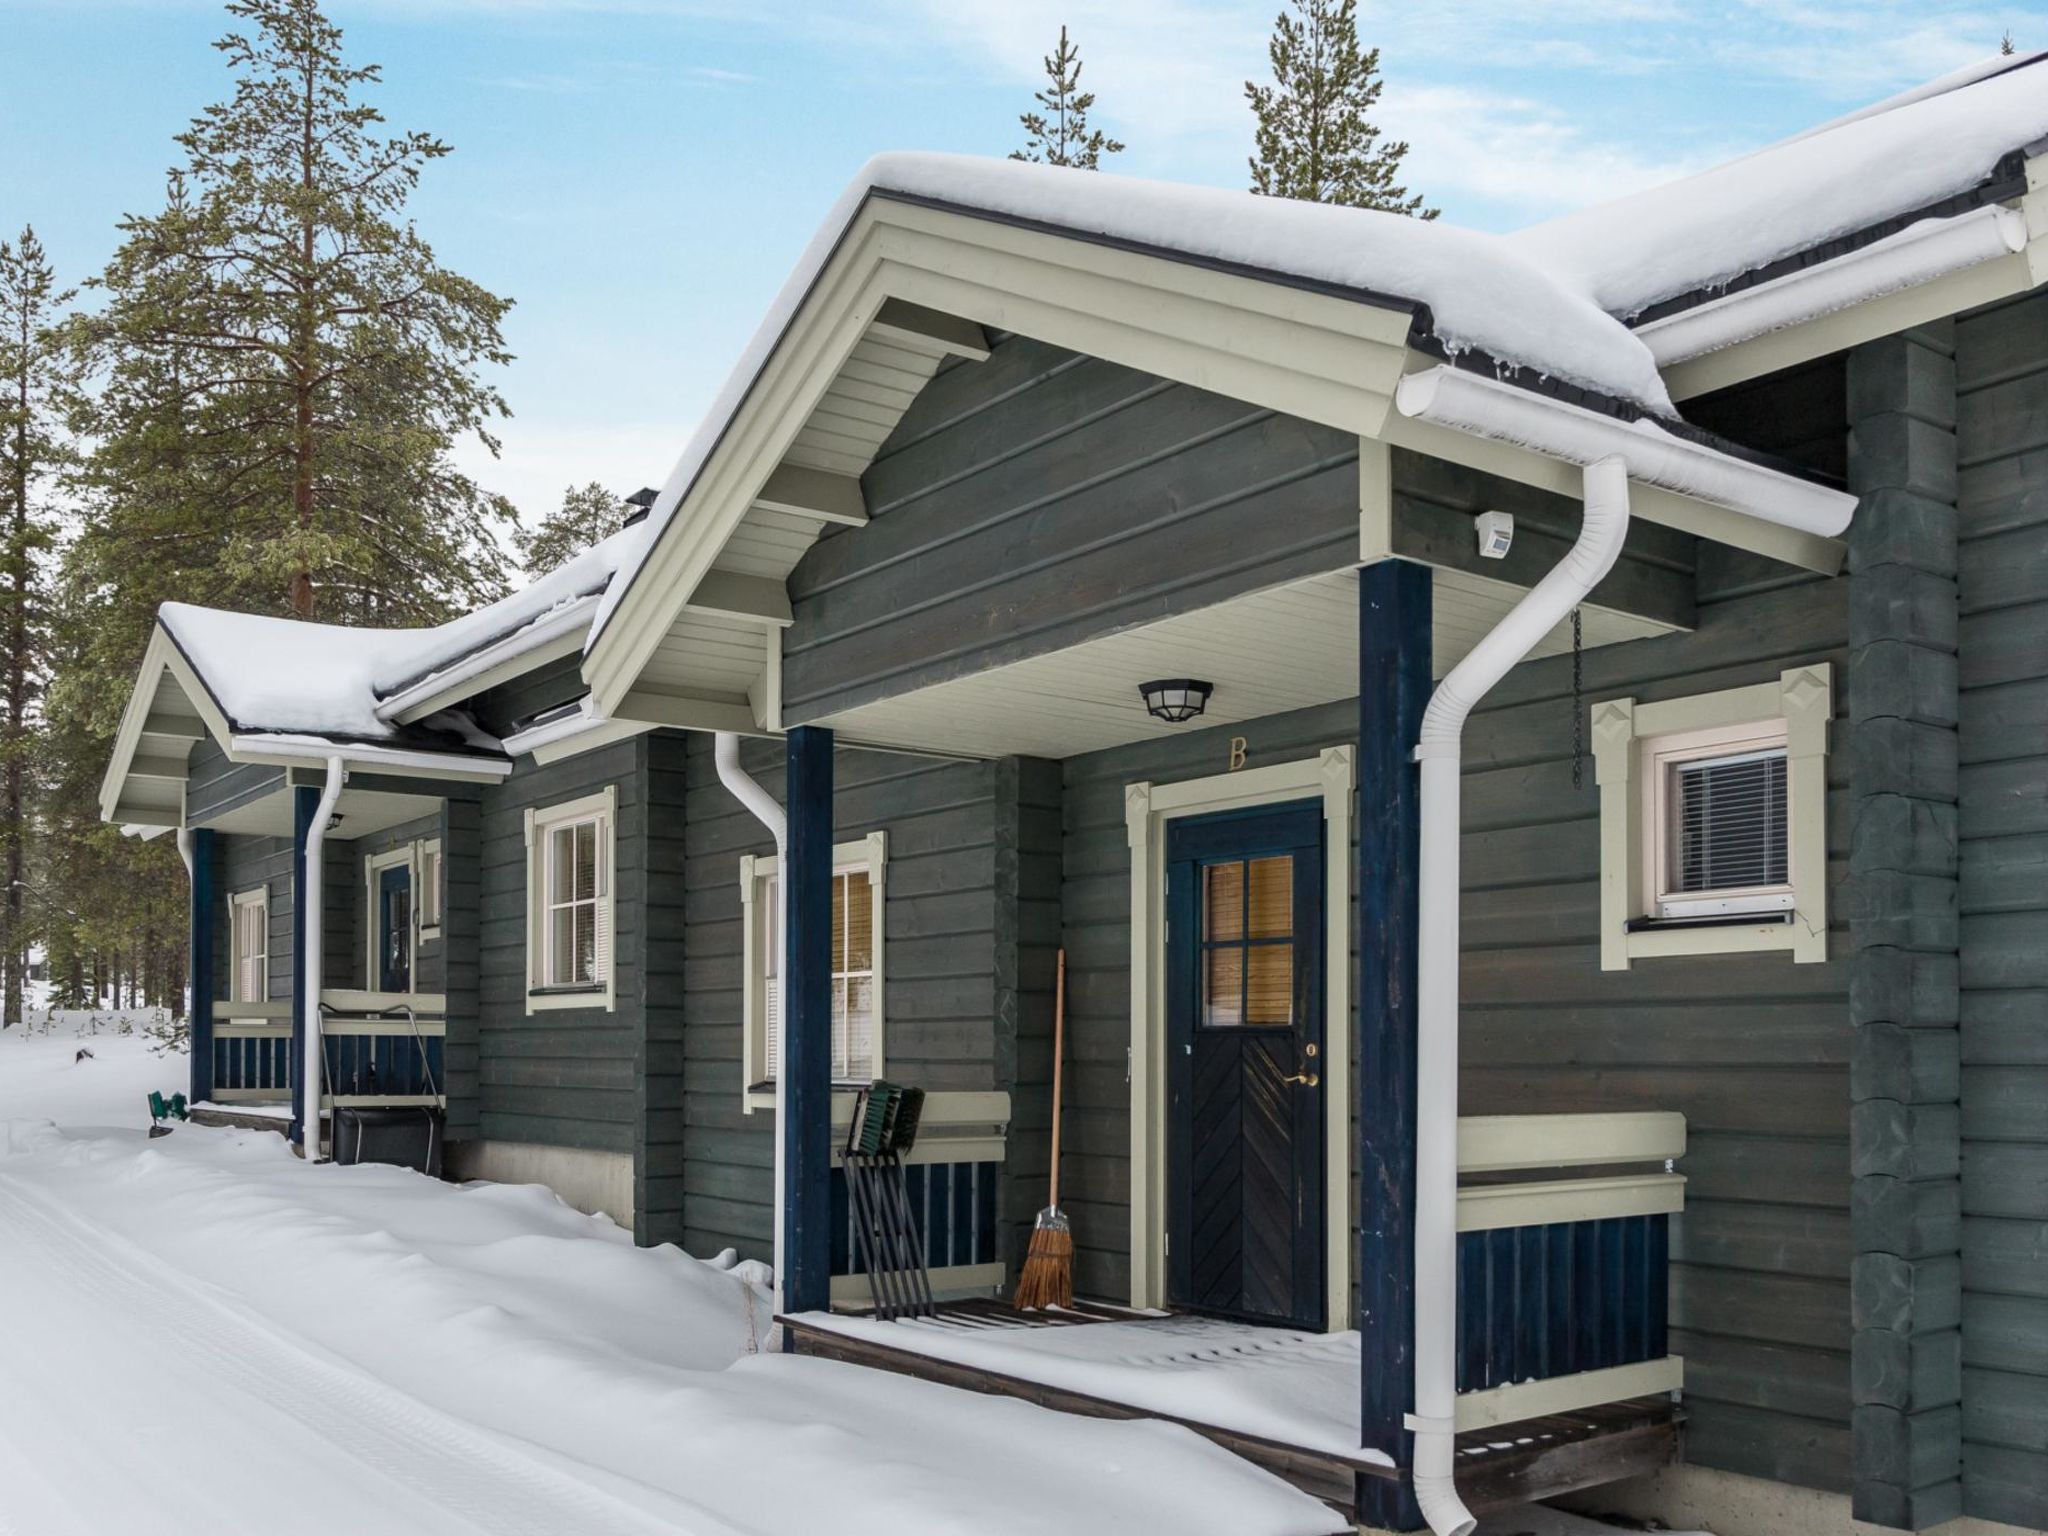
542	459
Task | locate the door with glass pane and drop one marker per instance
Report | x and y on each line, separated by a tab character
1245	1095
394	928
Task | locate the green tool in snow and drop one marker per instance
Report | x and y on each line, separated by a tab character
162	1109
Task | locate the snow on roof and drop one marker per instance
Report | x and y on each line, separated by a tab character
326	680
1482	295
1888	160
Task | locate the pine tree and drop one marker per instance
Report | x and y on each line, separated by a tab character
285	365
587	514
1316	139
1060	135
2005	45
37	387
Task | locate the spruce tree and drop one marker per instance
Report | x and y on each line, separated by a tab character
1059	134
37	388
587	514
285	364
1316	139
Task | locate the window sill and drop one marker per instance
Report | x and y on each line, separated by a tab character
1732	934
545	999
762	1095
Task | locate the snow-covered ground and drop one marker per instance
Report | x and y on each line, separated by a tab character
201	1334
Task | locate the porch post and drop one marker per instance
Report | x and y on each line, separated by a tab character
1393	687
305	801
199	966
806	1067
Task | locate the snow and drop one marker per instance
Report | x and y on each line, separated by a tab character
326	680
1294	1387
1708	229
218	1327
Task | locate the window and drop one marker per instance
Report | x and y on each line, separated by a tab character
249	937
856	968
1712	821
569	903
1248	943
430	890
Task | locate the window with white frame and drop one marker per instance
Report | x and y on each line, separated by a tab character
570	852
249	945
430	890
857	920
1713	821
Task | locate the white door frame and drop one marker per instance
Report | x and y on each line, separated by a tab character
1148	808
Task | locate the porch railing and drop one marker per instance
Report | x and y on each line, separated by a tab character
252	1052
1563	1254
378	1048
951	1175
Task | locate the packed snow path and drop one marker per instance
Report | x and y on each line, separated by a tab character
201	1334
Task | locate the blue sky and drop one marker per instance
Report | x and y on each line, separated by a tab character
640	174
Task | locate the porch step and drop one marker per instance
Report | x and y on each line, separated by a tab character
1502	1467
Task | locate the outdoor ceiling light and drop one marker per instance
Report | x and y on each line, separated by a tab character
1175	699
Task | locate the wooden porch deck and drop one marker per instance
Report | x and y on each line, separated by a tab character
1498	1468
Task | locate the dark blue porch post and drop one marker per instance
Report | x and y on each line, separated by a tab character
1393	687
199	968
807	1026
305	801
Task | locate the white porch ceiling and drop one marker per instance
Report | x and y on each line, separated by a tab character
1285	648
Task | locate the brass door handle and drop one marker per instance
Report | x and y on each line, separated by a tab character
1306	1079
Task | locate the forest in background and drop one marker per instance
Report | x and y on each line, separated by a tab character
254	406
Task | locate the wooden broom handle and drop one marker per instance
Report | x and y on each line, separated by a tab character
1059	1041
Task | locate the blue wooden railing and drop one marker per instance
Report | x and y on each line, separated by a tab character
1564	1262
371	1054
1561	1298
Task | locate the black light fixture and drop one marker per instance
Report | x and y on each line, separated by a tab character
1174	699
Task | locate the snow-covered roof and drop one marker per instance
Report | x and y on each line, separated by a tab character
1887	161
285	676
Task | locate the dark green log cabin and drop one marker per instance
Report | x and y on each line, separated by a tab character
987	473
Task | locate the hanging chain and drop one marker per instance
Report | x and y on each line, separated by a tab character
1578	687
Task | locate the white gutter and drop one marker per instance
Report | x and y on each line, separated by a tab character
263	748
184	848
1921	253
1484	407
309	935
725	753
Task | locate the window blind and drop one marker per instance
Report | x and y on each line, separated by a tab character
1730	822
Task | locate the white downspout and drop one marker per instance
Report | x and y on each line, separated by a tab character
725	752
309	931
1436	1064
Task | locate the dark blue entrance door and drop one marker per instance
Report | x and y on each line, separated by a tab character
1245	1090
394	929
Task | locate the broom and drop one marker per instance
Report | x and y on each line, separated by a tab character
1048	1278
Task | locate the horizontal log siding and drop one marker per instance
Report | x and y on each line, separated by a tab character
1042	498
1752	1049
214	786
561	1077
2002	387
949	1015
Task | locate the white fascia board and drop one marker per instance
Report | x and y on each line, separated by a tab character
1923	253
1469	402
289	751
159	657
555	635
